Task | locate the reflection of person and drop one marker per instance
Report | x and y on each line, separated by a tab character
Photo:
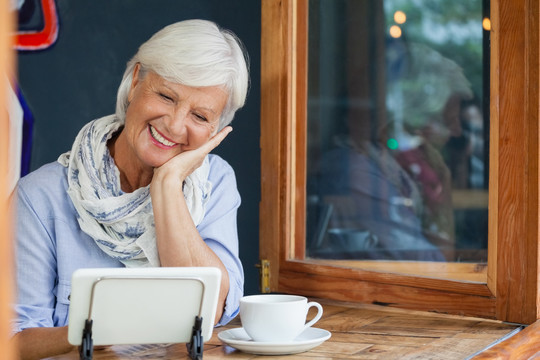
426	167
464	150
401	195
370	192
431	91
139	187
474	128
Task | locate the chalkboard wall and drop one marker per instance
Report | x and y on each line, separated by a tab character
76	79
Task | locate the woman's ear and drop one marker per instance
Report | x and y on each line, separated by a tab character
134	81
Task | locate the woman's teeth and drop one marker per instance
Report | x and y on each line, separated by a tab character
160	138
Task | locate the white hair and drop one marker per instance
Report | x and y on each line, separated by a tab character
194	53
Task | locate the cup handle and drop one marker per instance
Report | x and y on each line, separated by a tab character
317	317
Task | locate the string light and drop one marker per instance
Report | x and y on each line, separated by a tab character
395	31
400	17
486	24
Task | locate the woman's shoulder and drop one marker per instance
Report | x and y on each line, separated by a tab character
221	174
219	166
49	178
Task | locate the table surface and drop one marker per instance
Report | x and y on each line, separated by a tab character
359	331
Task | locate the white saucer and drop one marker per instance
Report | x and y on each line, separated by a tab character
239	339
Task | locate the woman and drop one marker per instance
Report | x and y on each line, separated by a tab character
138	188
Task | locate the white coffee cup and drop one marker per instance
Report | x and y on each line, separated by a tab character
276	318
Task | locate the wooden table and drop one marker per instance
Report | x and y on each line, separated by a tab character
359	331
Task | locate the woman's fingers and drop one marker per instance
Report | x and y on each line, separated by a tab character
186	162
198	155
216	139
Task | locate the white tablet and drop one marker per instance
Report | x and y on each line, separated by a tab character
142	305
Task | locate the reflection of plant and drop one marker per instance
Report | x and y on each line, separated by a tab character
452	28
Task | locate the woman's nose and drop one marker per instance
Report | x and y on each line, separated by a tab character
177	125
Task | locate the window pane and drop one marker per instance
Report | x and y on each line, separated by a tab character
398	130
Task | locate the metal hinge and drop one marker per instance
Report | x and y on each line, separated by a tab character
264	273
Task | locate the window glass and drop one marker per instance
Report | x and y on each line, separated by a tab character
398	129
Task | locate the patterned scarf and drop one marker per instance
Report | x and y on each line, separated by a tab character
121	224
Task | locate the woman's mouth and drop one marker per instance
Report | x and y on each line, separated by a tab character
159	139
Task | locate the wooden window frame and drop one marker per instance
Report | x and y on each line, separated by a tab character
510	290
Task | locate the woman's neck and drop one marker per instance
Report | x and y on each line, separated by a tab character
131	177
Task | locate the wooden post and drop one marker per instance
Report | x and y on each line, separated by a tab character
515	100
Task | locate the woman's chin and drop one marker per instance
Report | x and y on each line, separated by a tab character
159	161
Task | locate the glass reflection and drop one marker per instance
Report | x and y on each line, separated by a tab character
397	129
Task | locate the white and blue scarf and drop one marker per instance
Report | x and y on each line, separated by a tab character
122	224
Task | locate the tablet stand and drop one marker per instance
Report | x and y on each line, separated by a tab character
195	346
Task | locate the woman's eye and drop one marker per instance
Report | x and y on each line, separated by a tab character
200	117
168	98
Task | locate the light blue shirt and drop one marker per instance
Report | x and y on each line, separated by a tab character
50	244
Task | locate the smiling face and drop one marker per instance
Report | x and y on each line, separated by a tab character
164	119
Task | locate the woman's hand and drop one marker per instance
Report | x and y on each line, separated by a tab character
178	240
183	164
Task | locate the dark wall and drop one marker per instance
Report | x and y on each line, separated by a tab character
76	80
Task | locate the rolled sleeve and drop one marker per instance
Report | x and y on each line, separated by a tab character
31	316
236	291
35	269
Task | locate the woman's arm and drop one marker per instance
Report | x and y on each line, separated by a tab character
37	343
178	240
